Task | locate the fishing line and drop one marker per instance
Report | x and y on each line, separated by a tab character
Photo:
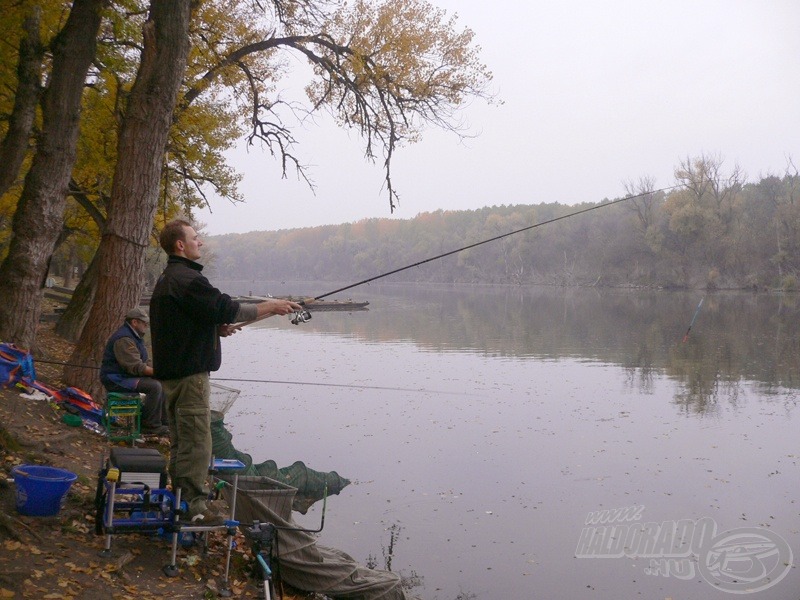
270	381
343	385
65	364
493	239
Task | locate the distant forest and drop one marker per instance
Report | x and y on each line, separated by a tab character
706	232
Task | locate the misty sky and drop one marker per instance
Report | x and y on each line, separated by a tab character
595	94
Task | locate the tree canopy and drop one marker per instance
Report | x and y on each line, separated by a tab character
386	69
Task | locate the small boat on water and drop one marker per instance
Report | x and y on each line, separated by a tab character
63	295
313	306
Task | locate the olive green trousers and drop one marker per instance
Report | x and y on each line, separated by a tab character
189	438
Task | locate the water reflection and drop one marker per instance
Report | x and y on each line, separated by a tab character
736	337
409	581
492	489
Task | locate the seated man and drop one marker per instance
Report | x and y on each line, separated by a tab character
126	368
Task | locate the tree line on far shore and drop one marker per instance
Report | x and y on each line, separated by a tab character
710	230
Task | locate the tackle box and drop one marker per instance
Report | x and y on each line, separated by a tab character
140	465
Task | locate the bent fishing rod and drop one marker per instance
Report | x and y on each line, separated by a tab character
305	315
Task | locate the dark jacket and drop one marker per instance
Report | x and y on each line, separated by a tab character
111	371
185	310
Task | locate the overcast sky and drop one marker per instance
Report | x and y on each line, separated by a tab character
595	94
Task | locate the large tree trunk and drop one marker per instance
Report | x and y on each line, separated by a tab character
39	217
26	99
134	193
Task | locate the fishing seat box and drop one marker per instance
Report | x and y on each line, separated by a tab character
140	465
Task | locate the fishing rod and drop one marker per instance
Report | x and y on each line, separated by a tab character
305	315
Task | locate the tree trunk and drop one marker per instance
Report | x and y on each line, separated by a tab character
39	217
71	323
26	99
69	267
134	192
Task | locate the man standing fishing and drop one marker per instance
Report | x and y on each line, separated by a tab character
187	318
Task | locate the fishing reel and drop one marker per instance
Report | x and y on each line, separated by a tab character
300	316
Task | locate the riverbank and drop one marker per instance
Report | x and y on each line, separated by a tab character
58	557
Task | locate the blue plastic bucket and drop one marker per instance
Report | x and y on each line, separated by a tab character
41	490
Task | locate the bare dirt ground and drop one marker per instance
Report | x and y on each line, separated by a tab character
58	557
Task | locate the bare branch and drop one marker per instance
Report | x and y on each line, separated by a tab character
385	69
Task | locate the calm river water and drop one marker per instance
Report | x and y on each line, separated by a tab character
510	418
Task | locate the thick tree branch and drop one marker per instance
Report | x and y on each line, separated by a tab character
26	99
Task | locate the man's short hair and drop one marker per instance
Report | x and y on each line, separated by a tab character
172	233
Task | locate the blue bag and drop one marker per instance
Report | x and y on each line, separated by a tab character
16	365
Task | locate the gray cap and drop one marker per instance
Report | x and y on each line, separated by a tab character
137	313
